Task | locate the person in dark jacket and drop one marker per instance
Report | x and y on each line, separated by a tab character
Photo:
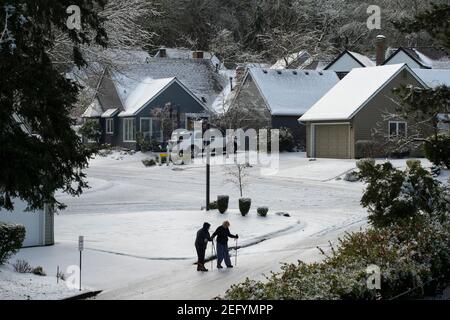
201	243
223	233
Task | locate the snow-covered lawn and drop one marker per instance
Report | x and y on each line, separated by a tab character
139	223
26	286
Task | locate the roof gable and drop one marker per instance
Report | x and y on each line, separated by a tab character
291	92
411	54
147	91
352	93
425	57
361	60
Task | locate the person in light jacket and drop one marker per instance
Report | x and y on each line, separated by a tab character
223	233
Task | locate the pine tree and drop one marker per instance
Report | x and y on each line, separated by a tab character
39	152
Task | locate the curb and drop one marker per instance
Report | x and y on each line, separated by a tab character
84	296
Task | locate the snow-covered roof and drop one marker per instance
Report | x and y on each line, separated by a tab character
294	60
365	60
224	100
434	77
444	117
110	113
94	110
197	75
292	92
184	53
314	64
145	91
426	57
352	93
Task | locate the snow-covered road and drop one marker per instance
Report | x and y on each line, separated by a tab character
140	223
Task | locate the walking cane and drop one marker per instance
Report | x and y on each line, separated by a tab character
212	255
235	257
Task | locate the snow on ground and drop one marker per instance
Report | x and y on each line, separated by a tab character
140	223
136	234
27	286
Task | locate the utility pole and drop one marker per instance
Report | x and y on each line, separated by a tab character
208	169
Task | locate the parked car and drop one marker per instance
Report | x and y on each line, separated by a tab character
183	141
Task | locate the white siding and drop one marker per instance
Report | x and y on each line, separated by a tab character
402	57
33	222
345	64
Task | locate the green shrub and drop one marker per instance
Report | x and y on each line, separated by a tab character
11	239
392	195
39	271
366	163
244	206
222	203
156	146
438	150
411	164
149	162
213	205
262	211
287	142
106	150
91	130
367	148
144	144
409	256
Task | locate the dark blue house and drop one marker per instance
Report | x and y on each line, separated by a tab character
127	99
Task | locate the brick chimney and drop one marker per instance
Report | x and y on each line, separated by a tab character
380	44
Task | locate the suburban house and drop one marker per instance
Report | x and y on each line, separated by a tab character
419	57
347	61
270	98
346	116
127	95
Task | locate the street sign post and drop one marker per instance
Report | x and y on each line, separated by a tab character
80	248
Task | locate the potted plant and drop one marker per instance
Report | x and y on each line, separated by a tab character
222	203
262	211
244	205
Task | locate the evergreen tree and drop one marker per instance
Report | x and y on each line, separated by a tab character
39	152
434	21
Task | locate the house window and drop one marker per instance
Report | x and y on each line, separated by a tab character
146	127
397	128
109	126
129	134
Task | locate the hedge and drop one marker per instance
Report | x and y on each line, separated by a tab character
11	239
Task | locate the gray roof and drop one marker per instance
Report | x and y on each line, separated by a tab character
292	92
198	75
434	77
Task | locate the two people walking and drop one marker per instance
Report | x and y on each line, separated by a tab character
203	237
